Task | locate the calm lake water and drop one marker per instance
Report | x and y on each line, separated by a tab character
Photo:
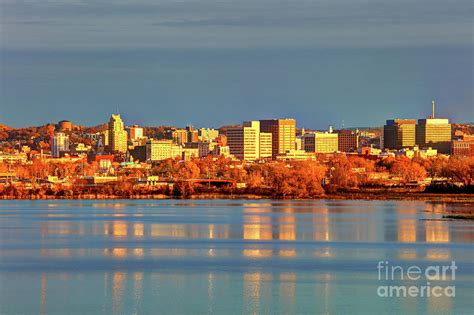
226	256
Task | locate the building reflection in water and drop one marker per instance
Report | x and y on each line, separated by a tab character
323	290
118	288
137	291
44	283
437	232
210	293
407	230
256	287
407	224
138	230
257	227
322	231
321	225
439	305
287	231
288	287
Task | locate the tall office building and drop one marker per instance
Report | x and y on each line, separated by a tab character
117	135
320	142
244	142
434	132
283	134
265	145
59	143
348	140
399	133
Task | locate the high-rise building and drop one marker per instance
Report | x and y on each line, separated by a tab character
320	142
59	143
348	140
265	145
434	133
399	134
117	135
135	132
244	142
283	134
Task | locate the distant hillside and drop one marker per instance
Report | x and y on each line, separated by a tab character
5	127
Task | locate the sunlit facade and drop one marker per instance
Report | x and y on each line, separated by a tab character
117	135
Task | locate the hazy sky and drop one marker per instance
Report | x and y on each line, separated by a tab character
213	62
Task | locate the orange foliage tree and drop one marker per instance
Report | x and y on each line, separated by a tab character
408	170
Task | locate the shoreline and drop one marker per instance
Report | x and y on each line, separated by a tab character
369	196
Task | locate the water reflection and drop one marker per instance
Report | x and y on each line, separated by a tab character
44	282
321	224
118	284
255	289
437	231
405	224
283	257
137	291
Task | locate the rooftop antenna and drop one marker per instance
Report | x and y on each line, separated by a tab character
432	108
118	111
342	124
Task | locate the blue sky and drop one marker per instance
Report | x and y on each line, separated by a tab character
212	62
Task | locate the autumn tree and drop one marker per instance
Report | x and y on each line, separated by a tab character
408	170
460	169
340	172
298	179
